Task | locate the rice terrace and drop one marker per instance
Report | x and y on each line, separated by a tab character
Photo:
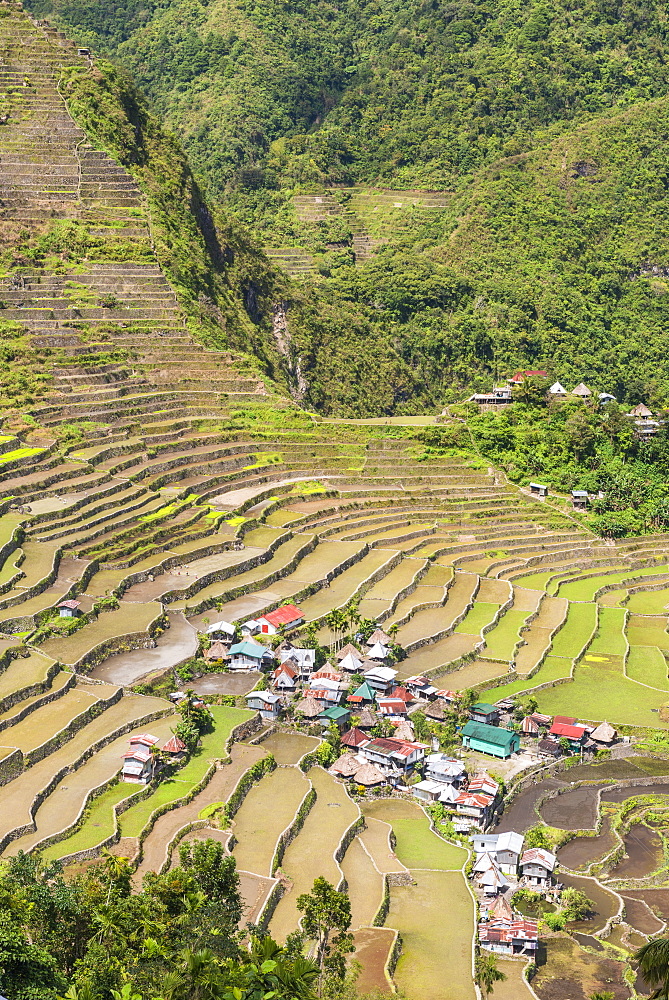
343	649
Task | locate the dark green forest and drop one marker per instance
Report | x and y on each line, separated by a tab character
545	125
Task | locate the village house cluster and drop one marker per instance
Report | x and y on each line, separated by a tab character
645	423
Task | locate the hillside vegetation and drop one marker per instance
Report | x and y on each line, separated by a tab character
546	123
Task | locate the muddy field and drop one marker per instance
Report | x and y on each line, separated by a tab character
570	972
581	851
573	810
643	848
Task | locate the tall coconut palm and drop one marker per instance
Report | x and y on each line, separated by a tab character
653	962
487	973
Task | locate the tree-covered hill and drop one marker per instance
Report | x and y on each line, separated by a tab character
546	122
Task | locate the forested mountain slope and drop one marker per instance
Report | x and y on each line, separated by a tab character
542	127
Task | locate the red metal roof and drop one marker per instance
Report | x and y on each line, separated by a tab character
69	604
392	706
283	616
480	801
401	692
354	738
175	745
564	720
285	668
389	745
571	732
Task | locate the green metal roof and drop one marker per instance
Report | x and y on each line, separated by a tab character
336	712
365	691
489	734
483	707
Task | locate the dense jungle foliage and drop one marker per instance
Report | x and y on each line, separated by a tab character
547	123
92	938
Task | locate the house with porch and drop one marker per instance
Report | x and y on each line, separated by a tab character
266	702
391	754
536	867
483	712
250	655
302	660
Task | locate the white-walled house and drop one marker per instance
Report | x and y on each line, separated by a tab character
249	655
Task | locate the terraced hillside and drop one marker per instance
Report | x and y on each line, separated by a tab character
355	219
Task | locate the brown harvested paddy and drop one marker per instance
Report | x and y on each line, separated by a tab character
373	946
606	903
435	918
643	849
400	577
17	796
254	890
288	748
57	687
189	572
174	646
127	619
421	595
365	884
639	915
267	810
23	673
570	972
438	576
582	851
375	837
534	642
433	620
473	673
575	809
315	566
218	789
344	586
278	563
514	987
311	853
526	600
45	722
493	591
437	654
61	809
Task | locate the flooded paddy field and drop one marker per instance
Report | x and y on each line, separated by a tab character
606	903
643	848
657	900
311	853
569	971
264	814
176	644
436	959
582	851
572	810
638	914
521	814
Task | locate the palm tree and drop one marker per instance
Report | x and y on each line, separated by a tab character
487	972
653	962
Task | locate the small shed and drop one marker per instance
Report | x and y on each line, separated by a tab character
539	489
367	720
69	609
378	651
345	766
579	499
581	390
216	653
529	727
378	635
221	630
176	748
309	708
